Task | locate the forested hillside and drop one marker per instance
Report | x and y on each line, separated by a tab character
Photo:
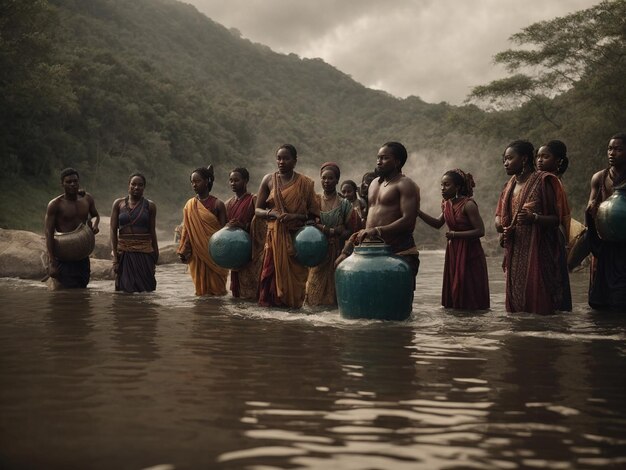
112	87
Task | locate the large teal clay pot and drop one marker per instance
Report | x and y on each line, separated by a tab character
373	283
311	246
231	248
611	219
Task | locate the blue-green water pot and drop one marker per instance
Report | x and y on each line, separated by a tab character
311	246
611	219
231	248
372	283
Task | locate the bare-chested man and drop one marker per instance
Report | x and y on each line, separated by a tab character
64	214
607	288
394	201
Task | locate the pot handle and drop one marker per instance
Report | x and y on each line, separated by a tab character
374	240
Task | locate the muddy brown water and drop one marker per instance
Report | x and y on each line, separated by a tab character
96	379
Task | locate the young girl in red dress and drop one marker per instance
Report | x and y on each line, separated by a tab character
465	279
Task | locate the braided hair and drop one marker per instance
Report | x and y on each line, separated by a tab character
464	181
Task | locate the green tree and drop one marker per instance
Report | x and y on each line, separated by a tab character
584	53
36	98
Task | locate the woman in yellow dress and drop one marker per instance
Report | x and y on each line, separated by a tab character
203	215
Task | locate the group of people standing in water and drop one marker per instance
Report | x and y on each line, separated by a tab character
532	217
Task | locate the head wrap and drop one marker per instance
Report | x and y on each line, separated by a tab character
331	166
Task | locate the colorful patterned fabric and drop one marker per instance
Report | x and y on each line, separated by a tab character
534	278
199	224
136	268
320	288
283	279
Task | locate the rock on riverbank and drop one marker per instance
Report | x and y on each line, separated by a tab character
23	254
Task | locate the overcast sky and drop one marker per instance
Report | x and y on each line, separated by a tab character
435	49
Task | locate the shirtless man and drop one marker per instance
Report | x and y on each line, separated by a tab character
64	214
607	287
394	201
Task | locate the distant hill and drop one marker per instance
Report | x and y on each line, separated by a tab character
111	87
156	86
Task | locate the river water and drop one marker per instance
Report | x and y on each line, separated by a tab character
95	379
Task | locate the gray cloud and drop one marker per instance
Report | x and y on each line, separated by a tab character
435	49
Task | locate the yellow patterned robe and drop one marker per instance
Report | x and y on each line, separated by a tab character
283	279
199	224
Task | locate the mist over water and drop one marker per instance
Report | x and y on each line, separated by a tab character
97	379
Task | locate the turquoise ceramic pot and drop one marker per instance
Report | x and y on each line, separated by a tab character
311	246
373	283
231	248
611	219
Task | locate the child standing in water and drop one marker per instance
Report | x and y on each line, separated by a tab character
357	215
465	279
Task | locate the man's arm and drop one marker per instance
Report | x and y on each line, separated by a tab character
409	208
592	207
49	225
93	213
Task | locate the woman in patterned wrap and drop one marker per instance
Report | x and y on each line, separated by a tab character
203	215
133	239
335	214
528	218
552	157
286	200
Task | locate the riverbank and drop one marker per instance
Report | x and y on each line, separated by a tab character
23	254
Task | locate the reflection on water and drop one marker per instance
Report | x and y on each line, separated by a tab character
97	379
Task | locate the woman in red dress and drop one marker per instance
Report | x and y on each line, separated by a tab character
528	218
244	282
465	278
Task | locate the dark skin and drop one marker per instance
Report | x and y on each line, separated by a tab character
546	161
350	194
200	186
65	213
329	185
449	191
394	203
365	185
286	163
515	165
238	185
136	187
616	152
